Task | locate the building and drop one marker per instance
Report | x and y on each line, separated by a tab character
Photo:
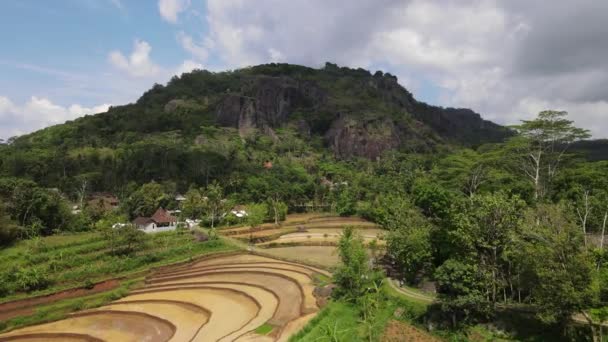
239	211
103	201
161	221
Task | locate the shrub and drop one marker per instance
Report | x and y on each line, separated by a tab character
88	284
32	279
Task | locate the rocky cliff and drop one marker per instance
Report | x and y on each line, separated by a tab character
357	113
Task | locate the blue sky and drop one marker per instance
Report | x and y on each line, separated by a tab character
62	59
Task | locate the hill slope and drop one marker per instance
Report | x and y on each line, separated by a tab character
197	123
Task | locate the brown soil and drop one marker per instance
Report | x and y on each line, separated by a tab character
42	337
289	293
270	265
25	306
230	309
220	298
188	318
321	255
247	258
303	279
109	326
397	331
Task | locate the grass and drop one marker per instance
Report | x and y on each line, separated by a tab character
341	321
338	321
85	258
264	329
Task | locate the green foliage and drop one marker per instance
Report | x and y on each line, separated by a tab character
433	199
264	329
540	146
214	203
256	214
31	279
461	289
559	267
9	230
50	264
410	247
194	205
146	200
354	277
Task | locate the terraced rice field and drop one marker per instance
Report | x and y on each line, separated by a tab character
305	229
223	298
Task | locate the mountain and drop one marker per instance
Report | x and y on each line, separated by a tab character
198	119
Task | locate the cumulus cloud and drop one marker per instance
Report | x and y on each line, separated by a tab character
507	60
170	9
38	112
138	64
198	50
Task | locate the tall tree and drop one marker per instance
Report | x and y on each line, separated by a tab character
484	232
541	145
215	202
561	268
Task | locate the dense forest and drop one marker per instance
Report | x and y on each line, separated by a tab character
494	216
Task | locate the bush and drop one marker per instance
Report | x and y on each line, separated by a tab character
88	284
32	279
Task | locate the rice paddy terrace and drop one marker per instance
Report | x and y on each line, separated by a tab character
310	238
222	298
235	296
304	229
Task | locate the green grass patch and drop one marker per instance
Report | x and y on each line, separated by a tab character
321	279
264	329
86	257
338	321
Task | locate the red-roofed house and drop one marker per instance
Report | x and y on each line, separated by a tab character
161	221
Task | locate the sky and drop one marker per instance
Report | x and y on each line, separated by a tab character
507	60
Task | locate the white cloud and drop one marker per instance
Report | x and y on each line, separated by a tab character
188	66
38	112
170	9
138	64
200	51
494	57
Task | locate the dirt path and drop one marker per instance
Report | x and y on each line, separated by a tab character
409	293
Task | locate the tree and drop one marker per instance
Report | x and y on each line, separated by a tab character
110	234
130	239
194	205
464	170
561	268
256	213
9	230
278	210
215	203
146	200
484	232
432	199
408	242
461	290
541	145
355	276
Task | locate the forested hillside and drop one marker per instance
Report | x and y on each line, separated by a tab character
204	126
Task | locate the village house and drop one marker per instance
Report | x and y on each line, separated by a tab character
239	211
161	221
103	201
